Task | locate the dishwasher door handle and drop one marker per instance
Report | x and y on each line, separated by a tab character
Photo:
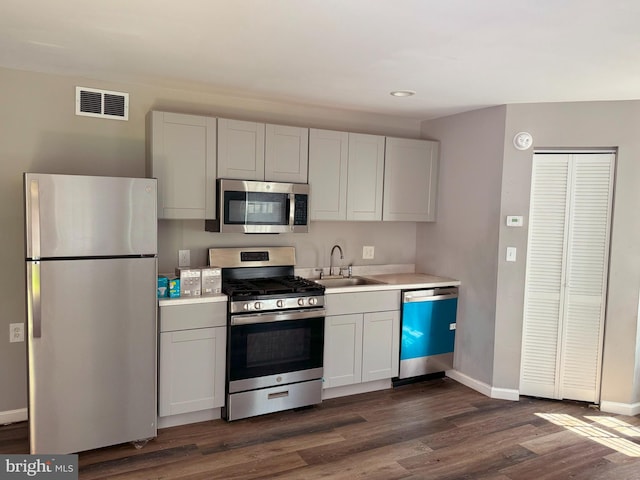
429	295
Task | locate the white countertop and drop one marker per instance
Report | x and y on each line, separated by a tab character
165	302
397	281
388	281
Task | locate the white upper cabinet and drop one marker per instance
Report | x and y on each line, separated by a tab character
410	180
182	156
328	156
345	175
365	177
240	149
255	151
286	154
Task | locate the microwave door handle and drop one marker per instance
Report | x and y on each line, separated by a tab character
292	209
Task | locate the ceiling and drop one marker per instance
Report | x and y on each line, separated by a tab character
457	55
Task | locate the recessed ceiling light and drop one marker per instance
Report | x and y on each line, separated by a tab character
403	93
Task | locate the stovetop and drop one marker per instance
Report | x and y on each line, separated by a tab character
289	286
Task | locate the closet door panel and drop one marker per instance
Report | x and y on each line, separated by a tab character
544	276
586	277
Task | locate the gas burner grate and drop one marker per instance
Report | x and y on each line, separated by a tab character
270	286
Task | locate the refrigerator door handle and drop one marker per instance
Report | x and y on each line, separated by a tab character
33	294
34	212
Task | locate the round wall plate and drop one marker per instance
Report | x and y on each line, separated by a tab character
522	140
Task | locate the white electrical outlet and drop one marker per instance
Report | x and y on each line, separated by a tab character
184	258
368	252
16	332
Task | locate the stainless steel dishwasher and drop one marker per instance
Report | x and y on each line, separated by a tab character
428	331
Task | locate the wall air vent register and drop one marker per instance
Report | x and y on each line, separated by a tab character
92	102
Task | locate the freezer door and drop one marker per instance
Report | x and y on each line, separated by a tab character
92	372
80	216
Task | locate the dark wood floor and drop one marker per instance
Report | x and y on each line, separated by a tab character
431	430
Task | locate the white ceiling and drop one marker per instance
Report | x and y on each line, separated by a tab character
457	55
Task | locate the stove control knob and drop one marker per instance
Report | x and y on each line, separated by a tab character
246	306
313	301
280	303
258	305
301	302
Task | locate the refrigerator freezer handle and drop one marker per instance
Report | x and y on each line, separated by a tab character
33	295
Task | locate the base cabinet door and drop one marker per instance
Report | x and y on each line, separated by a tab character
380	345
361	347
191	370
343	350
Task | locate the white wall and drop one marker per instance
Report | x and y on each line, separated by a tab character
40	132
463	243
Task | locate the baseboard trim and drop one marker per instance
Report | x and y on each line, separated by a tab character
13	416
483	388
356	389
629	409
505	394
191	417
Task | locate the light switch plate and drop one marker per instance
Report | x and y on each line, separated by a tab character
368	252
511	254
184	258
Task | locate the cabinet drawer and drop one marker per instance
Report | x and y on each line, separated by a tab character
196	315
362	302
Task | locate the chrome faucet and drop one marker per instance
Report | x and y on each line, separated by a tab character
331	259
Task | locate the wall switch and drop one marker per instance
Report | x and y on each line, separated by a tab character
184	258
16	332
511	254
368	253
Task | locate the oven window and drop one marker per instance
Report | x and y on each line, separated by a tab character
251	208
266	349
276	347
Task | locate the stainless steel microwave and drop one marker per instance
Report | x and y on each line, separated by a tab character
248	206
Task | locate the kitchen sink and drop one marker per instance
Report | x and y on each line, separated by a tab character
347	282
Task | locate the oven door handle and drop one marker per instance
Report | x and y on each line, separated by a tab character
277	316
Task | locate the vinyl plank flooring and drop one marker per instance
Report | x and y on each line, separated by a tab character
437	429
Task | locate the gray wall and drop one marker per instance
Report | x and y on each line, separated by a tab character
483	178
575	125
39	132
463	243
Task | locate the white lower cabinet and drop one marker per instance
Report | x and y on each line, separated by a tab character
361	347
192	358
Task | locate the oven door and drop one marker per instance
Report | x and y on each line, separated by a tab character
269	349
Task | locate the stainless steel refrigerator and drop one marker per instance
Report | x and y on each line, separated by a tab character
91	267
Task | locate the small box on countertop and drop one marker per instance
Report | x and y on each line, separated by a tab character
189	281
163	286
174	288
211	281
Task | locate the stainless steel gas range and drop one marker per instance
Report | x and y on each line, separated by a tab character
275	342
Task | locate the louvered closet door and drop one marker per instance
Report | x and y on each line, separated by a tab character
565	289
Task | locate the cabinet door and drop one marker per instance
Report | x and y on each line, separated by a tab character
342	350
192	368
328	157
182	156
365	177
286	154
380	345
240	149
410	180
